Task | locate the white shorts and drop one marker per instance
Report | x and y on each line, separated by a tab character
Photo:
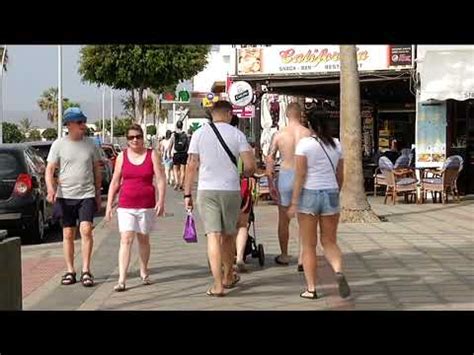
139	220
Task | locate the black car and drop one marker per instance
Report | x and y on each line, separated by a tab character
24	210
42	148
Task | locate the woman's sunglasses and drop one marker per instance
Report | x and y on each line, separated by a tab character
131	138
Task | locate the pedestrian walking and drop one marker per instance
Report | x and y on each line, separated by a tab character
77	191
179	151
214	149
167	157
138	205
285	142
318	177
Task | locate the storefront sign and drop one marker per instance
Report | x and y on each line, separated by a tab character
400	56
296	59
244	112
430	134
240	93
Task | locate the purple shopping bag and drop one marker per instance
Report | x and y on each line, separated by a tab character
190	235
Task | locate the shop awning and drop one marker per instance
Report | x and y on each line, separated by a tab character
447	74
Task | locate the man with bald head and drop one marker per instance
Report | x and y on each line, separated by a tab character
285	142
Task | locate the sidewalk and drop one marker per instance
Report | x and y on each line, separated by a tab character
422	258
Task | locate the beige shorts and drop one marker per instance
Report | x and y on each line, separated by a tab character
139	220
219	210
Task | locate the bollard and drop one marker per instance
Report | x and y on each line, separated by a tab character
10	273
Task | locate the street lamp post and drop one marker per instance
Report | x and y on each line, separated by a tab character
111	116
103	115
60	91
1	91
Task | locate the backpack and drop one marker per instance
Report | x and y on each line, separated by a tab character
181	142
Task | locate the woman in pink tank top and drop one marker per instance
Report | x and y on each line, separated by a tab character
135	169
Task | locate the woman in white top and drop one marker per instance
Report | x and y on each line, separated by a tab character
318	176
167	159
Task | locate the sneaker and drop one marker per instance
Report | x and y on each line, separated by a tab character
344	289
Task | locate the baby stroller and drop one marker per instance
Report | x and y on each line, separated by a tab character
251	248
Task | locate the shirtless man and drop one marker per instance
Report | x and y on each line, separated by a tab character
285	142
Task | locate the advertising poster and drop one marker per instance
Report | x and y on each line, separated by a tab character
430	134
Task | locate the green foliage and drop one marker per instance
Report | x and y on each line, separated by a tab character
11	133
140	67
151	130
50	134
34	135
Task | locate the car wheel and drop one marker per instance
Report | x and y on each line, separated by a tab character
37	233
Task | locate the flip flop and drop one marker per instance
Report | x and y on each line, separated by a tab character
212	294
312	296
232	285
279	262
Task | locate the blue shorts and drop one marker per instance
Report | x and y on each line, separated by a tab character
319	202
286	178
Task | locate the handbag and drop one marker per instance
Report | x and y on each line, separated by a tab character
190	234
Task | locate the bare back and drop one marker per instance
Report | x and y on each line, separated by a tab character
285	143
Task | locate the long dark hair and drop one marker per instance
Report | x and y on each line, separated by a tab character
318	122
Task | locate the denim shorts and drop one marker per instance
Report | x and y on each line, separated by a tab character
286	178
319	202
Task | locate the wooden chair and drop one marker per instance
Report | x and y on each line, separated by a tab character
443	182
399	181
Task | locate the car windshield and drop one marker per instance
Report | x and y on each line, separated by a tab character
9	168
43	151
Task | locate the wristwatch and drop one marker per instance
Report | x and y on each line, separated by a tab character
188	196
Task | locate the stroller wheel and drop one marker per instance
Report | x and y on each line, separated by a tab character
261	255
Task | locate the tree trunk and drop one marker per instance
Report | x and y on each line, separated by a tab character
141	105
355	207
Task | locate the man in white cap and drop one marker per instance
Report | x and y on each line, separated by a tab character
78	190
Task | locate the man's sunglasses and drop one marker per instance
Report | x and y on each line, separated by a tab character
131	138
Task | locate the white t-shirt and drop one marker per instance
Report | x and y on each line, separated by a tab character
216	170
320	173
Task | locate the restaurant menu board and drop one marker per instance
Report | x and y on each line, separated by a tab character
430	134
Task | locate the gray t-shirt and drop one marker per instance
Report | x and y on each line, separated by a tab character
76	167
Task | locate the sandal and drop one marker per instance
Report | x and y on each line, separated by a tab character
310	295
68	278
146	280
232	285
300	268
120	287
87	279
213	294
279	262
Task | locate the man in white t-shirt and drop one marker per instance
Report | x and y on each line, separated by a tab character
218	196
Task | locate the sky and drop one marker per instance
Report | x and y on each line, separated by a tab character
33	69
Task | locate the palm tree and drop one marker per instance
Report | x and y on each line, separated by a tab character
355	207
25	125
48	102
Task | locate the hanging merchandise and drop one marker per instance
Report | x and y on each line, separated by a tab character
283	120
266	118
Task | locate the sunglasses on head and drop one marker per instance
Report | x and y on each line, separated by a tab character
138	136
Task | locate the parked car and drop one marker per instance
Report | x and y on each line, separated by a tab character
111	153
42	148
106	168
24	210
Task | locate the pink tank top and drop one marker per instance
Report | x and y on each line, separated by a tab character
137	190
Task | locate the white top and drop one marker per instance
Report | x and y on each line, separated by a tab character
166	145
320	174
216	170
